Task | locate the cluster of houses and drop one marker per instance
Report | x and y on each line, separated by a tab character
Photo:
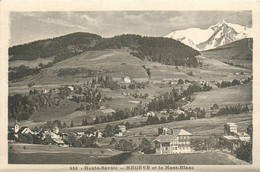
56	137
232	138
175	113
172	141
166	112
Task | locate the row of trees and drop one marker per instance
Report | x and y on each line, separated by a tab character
234	82
238	109
225	84
105	82
120	114
90	96
80	70
138	85
17	73
144	145
168	100
142	96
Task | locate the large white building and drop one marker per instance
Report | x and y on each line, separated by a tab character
177	142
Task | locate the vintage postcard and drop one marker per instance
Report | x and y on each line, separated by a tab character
129	86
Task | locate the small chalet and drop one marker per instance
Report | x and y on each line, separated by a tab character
122	128
71	88
151	113
119	133
127	80
230	128
98	133
177	142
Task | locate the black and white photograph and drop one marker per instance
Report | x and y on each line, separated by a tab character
130	87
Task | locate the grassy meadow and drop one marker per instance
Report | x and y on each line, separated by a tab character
51	154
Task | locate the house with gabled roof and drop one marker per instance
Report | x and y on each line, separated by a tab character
177	142
25	130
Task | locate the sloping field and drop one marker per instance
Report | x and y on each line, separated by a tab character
212	69
119	63
238	53
204	126
103	125
49	114
224	96
116	63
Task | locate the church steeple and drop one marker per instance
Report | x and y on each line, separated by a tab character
16	127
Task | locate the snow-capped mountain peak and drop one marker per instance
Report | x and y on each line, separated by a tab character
216	35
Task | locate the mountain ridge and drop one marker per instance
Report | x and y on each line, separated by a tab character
212	37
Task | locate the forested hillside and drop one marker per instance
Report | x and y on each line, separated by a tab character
60	47
156	49
238	50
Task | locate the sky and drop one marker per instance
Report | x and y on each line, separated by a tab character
31	26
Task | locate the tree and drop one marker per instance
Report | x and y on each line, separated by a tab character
160	130
215	106
249	130
29	138
180	81
244	152
11	136
148	72
170	118
64	125
96	120
163	120
40	65
71	124
127	146
235	82
83	122
113	141
145	146
127	125
109	131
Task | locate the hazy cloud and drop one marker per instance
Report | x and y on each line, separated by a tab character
30	26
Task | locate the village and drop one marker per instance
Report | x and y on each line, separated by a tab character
167	141
168	108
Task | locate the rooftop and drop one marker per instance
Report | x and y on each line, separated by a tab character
244	134
230	137
231	124
170	137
